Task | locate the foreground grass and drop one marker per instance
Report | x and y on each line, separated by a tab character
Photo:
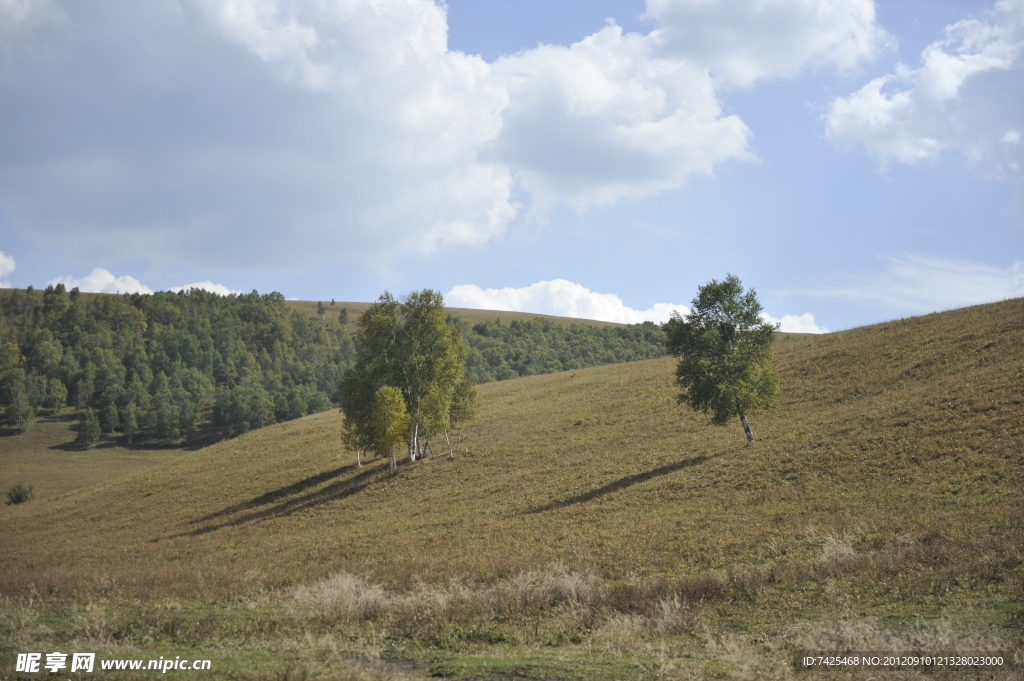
551	624
593	529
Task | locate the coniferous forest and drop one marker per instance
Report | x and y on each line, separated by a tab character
499	351
191	367
165	366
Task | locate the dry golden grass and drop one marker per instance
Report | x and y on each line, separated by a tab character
45	456
895	430
593	514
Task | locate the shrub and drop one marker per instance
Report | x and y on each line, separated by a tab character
343	596
19	494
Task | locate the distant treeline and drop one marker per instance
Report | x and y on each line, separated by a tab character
189	366
164	365
500	351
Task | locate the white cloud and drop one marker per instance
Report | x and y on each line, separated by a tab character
102	281
193	130
966	95
920	284
742	41
560	298
563	298
792	323
6	267
219	289
608	118
350	123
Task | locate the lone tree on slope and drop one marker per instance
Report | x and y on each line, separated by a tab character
408	345
725	352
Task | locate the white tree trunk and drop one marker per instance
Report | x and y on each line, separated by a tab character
393	459
414	443
359	461
451	452
746	425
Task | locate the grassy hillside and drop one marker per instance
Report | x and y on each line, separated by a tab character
45	457
593	529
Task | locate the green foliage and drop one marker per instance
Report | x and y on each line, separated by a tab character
56	394
409	345
88	429
178	360
19	494
109	418
20	410
499	351
725	351
10	357
129	424
463	406
390	422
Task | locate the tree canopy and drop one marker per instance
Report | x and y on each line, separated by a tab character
389	422
725	352
501	350
167	366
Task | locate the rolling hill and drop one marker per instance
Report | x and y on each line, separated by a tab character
886	489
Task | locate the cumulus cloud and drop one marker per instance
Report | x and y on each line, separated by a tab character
560	298
792	323
743	41
966	95
240	133
102	281
563	298
219	289
6	267
921	284
607	118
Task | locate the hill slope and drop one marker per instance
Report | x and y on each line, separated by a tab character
594	529
899	436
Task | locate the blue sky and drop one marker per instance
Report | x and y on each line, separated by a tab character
852	161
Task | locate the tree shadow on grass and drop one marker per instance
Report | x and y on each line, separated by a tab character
621	483
278	503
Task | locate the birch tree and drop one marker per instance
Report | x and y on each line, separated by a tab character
725	352
411	346
389	424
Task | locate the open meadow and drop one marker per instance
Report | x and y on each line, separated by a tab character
588	527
